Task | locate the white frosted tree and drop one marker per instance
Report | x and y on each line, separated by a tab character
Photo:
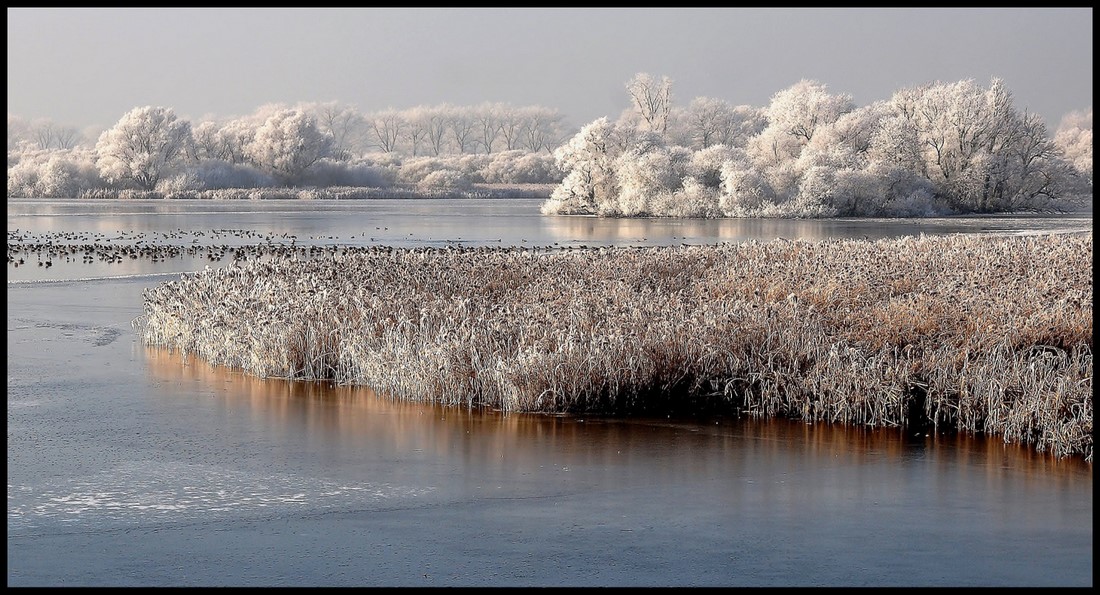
1074	138
287	144
234	137
794	116
846	143
204	141
143	146
541	129
511	128
982	154
343	123
436	126
386	128
488	118
652	98
59	173
587	160
629	130
646	171
705	166
50	135
415	131
18	133
745	190
462	128
707	121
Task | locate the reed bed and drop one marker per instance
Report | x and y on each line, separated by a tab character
973	333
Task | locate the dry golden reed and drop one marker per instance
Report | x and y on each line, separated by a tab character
974	333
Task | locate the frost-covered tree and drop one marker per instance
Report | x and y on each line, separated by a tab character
444	179
587	160
18	133
511	128
846	143
415	169
1074	138
542	129
436	120
745	189
646	171
288	143
707	121
652	98
705	165
234	137
982	154
59	173
415	131
145	144
521	167
794	116
343	123
386	129
488	118
462	127
48	134
629	129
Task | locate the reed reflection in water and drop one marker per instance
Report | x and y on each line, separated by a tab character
510	446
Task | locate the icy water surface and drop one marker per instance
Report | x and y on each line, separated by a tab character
133	466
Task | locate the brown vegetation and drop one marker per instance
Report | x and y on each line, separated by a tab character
982	334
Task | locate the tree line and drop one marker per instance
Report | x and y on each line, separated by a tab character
937	148
308	145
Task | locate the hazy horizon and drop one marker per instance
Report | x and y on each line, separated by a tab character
86	67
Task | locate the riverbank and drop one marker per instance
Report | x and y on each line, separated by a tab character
467	191
971	333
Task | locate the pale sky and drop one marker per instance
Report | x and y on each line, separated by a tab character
86	67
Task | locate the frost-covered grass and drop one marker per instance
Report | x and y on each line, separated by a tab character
976	333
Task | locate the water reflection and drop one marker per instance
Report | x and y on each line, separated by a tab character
694	231
672	450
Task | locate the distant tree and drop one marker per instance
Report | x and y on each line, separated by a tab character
287	144
386	127
462	125
652	99
628	130
343	123
415	169
488	118
415	129
1074	139
511	128
745	189
210	141
57	173
18	133
50	135
541	129
707	122
521	167
143	146
435	122
235	136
